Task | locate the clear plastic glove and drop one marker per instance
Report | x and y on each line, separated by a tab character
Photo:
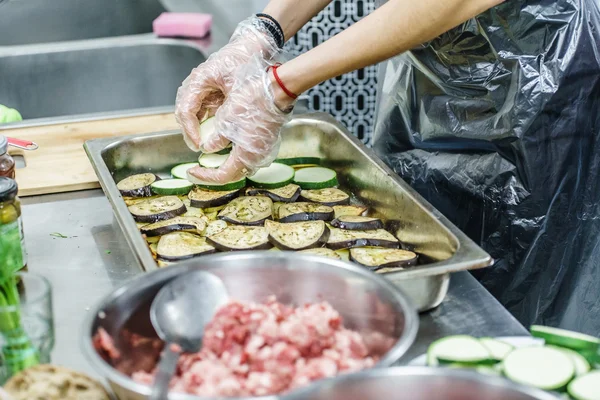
250	120
205	89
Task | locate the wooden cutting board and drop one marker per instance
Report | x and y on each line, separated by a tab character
60	163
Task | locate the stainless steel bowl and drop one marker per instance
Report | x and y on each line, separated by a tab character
419	383
368	303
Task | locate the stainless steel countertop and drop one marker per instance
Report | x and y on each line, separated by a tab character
95	258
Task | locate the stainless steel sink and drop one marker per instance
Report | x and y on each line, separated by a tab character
44	21
115	75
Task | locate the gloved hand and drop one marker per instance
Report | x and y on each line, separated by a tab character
205	89
250	119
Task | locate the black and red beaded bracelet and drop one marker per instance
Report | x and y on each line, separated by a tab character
273	27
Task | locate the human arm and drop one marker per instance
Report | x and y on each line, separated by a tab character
294	14
394	28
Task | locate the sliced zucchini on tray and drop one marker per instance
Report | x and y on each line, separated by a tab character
180	171
158	209
173	186
297	235
346	239
241	238
186	224
355	222
541	367
315	178
247	210
285	194
585	387
138	185
328	197
212	160
304	211
272	177
178	246
377	258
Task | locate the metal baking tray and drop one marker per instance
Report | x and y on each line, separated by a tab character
415	222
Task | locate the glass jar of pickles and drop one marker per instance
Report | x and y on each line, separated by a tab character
13	256
7	163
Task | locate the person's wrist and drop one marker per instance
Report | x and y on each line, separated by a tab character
281	99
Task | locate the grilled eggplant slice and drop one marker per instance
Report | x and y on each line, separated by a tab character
286	194
215	227
357	223
177	224
247	210
137	185
294	212
376	258
297	235
324	252
240	238
328	196
158	209
192	211
203	198
346	239
178	246
341	211
129	201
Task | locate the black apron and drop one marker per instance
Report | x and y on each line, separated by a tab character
497	124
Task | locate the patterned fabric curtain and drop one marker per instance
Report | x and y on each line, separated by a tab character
349	98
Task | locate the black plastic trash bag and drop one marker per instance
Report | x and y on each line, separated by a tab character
497	124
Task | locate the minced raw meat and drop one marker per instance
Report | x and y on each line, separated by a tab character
252	349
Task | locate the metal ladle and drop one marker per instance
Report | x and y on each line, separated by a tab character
179	314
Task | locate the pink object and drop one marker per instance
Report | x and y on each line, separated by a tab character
252	349
189	25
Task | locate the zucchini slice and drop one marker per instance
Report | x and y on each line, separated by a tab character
540	367
272	177
329	197
300	161
173	186
180	171
341	211
247	210
585	387
137	185
207	129
215	227
235	185
286	194
178	246
345	239
185	224
297	235
203	198
241	238
564	338
315	178
323	252
357	223
294	212
375	258
582	365
497	348
212	160
462	349
158	209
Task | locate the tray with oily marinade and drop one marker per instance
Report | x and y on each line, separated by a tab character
292	205
327	193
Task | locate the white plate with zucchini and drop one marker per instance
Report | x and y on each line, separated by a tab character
552	359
